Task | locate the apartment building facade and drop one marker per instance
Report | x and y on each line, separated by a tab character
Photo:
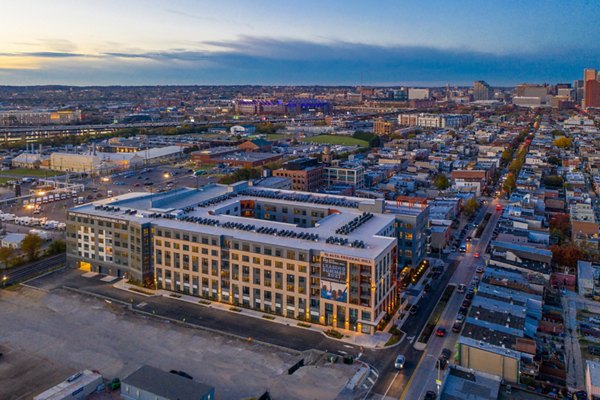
269	250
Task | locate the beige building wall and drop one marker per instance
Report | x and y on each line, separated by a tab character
492	363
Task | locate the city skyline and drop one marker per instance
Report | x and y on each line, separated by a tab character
310	43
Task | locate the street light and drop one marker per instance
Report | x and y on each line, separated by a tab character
4	278
438	381
166	175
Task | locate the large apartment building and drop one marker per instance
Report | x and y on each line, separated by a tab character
326	259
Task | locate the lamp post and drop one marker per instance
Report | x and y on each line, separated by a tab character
438	381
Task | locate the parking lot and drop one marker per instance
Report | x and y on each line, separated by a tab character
47	336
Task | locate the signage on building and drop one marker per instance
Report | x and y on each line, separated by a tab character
333	279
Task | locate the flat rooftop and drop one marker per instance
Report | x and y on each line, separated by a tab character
203	211
463	384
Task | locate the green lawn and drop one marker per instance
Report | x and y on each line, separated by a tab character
3	181
336	139
26	172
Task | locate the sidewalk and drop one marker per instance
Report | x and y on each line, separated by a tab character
376	341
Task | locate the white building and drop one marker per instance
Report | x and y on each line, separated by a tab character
418	94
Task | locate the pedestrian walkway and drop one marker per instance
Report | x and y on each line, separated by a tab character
378	340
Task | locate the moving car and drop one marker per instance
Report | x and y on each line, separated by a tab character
441	332
400	361
414	309
476	254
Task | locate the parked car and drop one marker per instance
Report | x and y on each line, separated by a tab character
461	288
400	361
441	332
469	296
414	309
456	327
463	310
479	269
446	353
427	288
466	303
430	395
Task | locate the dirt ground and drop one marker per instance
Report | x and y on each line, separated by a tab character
45	337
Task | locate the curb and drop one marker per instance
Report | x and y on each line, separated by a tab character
130	307
316	330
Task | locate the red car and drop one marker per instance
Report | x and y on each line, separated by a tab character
441	332
476	255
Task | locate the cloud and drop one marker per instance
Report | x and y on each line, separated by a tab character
258	60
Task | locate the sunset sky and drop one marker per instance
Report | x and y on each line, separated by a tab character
309	42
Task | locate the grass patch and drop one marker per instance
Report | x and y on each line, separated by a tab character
334	334
304	325
140	290
28	172
4	181
336	139
204	302
392	340
269	317
236	309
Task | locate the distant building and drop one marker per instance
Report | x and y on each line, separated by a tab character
418	94
242	130
435	120
591	89
482	91
384	127
531	95
306	174
149	383
13	240
8	118
352	175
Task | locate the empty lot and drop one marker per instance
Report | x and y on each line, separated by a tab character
47	336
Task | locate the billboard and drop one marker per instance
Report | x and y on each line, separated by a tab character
333	279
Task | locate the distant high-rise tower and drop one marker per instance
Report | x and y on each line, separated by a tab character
591	89
482	91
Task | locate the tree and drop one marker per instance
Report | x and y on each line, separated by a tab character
566	255
506	156
441	182
553	181
554	160
31	245
6	254
471	207
562	142
510	183
56	247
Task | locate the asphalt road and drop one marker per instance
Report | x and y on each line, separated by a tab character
19	274
426	374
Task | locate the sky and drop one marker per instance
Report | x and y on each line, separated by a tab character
344	42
